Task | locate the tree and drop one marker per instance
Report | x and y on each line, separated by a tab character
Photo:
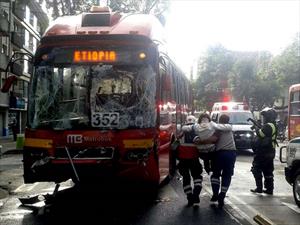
248	76
242	77
73	7
67	7
213	69
286	66
226	75
264	93
156	7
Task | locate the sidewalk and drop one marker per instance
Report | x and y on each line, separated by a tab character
8	146
7	175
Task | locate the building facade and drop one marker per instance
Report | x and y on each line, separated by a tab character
22	22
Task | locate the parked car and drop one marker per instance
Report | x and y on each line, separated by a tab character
292	168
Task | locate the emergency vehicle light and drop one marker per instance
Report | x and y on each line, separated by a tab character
224	107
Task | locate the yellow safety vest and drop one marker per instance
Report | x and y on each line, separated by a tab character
261	134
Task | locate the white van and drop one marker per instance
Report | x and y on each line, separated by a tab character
238	113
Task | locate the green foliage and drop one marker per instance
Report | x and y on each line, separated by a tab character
255	77
213	72
68	7
286	66
264	93
156	7
73	7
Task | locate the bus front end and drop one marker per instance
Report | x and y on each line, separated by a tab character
92	114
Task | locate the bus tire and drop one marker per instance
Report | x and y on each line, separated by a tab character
296	189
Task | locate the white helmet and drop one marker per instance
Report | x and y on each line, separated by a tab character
191	119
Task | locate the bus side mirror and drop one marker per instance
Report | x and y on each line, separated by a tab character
281	154
8	83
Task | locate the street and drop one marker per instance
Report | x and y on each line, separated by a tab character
93	205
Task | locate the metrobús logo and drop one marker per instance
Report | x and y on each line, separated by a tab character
96	139
74	138
78	138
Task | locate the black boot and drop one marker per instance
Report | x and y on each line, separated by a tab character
196	200
269	185
256	190
221	198
190	199
196	194
269	192
214	198
259	185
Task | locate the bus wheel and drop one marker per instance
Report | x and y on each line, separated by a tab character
296	189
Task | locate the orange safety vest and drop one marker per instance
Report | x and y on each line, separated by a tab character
187	151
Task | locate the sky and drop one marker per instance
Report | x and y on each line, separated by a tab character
240	25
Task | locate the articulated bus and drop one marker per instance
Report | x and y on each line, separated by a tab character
294	112
104	101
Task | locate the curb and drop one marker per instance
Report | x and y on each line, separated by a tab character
261	220
11	152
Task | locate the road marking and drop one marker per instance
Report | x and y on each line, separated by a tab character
235	212
31	187
280	194
20	188
253	210
25	187
291	206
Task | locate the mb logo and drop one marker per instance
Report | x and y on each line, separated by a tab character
74	138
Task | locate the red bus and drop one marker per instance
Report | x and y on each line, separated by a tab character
294	112
104	101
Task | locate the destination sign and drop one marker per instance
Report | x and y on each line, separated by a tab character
94	56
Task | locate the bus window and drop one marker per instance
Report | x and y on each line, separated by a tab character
295	103
128	91
58	96
294	112
295	108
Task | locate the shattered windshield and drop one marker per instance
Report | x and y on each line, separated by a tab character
58	97
100	96
123	97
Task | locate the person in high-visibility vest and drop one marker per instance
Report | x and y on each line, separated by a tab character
264	152
189	164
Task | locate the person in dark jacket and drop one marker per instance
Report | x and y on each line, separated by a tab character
189	165
264	152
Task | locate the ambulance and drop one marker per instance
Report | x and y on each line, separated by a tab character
239	114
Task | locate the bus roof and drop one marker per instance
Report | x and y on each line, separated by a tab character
105	22
295	87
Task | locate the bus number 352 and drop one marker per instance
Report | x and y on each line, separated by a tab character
105	119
